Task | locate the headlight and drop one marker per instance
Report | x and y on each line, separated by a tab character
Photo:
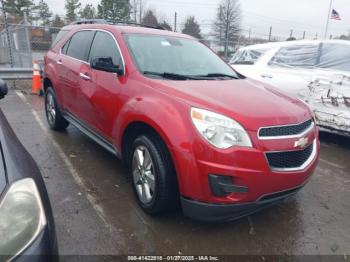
219	130
21	217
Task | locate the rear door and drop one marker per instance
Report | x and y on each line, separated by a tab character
72	61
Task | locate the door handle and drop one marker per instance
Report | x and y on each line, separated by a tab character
59	62
266	76
85	76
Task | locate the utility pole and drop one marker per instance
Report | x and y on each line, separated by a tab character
175	22
7	33
328	18
140	11
226	30
27	32
135	10
270	34
304	34
250	32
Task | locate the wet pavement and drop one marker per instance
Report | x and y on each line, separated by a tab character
95	210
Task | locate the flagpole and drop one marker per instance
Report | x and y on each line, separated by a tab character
328	17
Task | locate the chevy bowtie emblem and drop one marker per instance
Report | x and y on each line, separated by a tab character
302	142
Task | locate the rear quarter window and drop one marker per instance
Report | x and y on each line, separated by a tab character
247	57
59	36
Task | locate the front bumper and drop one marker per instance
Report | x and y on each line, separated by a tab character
208	212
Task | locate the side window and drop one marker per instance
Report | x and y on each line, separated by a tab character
296	56
247	57
79	45
335	56
104	45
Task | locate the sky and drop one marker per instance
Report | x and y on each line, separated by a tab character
257	15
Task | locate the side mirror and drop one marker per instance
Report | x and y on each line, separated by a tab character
106	64
3	89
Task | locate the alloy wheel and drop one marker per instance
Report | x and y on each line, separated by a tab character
50	108
143	174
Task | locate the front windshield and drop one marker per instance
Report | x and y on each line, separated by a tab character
174	55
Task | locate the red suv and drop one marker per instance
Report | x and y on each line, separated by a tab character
191	129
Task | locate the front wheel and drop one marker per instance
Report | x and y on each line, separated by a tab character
153	175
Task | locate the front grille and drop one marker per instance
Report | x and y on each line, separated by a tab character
290	130
289	159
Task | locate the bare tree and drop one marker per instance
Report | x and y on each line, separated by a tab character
227	26
137	9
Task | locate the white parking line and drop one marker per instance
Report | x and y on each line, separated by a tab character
331	164
77	178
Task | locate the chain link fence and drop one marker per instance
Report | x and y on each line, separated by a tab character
21	44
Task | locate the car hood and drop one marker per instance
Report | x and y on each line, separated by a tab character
249	102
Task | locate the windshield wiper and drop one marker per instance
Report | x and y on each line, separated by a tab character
219	75
171	75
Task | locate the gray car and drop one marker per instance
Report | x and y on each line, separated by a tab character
27	230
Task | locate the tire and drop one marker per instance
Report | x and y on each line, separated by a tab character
163	190
53	113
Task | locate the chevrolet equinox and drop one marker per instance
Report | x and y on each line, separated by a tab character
192	131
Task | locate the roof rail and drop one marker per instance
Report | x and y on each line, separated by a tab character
102	21
89	21
141	25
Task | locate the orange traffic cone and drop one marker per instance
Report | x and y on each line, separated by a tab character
36	83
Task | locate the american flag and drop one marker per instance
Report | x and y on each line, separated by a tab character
335	15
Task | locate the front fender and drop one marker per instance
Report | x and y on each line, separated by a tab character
171	120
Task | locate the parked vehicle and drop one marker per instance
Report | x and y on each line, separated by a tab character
315	71
185	123
27	230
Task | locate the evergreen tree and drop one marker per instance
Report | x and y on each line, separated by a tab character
16	8
166	26
72	7
57	21
43	13
192	28
150	19
88	12
114	10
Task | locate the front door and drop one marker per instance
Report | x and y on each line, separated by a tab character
99	96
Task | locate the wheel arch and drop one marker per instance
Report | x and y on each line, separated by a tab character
138	127
47	83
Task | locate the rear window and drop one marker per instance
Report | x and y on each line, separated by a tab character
296	56
59	36
335	56
247	57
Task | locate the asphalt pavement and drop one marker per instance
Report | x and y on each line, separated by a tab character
96	213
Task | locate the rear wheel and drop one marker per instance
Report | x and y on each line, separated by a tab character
153	175
53	113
